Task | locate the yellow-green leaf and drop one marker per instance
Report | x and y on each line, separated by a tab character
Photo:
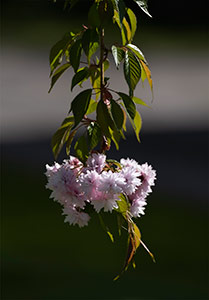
92	107
57	74
137	235
61	136
147	73
138	124
128	30
122	205
139	101
133	22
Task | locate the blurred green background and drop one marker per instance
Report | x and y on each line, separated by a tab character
41	256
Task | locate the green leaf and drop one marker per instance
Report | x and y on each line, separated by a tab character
81	149
95	79
139	101
117	114
102	116
118	55
80	76
93	16
143	5
104	119
137	235
80	104
120	7
123	205
106	65
105	228
115	136
90	42
132	71
138	125
136	51
133	22
94	135
57	74
120	221
75	54
147	73
127	30
58	50
114	162
92	107
61	136
69	141
120	25
129	104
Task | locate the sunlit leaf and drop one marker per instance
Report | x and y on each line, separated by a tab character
121	26
150	253
122	205
143	5
148	73
80	76
138	124
80	104
128	30
132	71
136	51
137	235
95	80
124	121
118	55
139	101
120	7
57	74
92	107
105	228
115	136
58	50
133	22
106	64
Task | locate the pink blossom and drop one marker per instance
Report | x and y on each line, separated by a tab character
137	207
74	163
129	163
65	186
104	200
111	182
96	162
131	179
73	216
73	185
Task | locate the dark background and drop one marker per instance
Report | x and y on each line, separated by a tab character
43	258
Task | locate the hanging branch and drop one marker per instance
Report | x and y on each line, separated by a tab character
90	176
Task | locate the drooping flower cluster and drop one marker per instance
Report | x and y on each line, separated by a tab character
100	184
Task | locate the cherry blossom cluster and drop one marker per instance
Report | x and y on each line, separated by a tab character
74	184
